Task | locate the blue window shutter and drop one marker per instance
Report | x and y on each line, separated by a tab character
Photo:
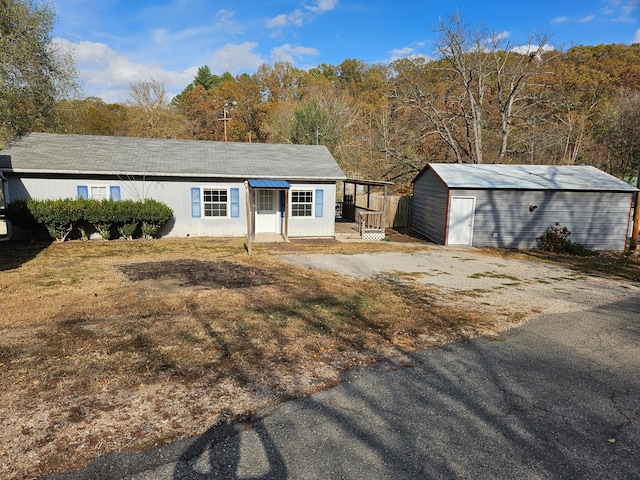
234	194
195	202
114	192
319	203
283	196
83	191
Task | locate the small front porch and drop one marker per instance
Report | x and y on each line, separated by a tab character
354	216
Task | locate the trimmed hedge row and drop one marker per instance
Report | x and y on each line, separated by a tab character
60	217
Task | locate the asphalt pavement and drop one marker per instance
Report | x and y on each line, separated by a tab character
558	397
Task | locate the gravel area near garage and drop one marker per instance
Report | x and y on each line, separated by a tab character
470	277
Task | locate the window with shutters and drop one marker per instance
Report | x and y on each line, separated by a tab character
99	192
207	202
215	202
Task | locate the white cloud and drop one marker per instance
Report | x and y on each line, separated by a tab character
91	52
636	39
289	53
107	74
527	49
299	17
623	9
235	58
401	52
628	9
398	53
224	15
224	21
322	6
162	36
587	19
277	21
296	18
501	36
560	20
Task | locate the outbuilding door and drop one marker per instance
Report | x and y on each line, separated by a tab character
461	212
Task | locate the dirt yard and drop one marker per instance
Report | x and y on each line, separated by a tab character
113	346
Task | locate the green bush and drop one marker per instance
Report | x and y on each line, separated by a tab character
149	230
101	214
126	217
153	215
58	216
61	216
126	230
556	240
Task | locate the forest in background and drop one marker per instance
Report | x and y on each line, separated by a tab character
480	99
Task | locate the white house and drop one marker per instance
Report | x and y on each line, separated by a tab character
217	189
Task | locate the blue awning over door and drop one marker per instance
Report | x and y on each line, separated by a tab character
257	183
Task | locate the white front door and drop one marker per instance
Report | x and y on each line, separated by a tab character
461	212
266	212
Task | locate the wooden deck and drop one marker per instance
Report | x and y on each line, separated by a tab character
368	226
347	229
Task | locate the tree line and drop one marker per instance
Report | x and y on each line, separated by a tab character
481	99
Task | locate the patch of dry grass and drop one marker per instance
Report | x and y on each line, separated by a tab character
110	346
618	265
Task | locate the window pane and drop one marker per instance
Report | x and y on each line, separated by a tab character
265	200
214	202
99	193
301	203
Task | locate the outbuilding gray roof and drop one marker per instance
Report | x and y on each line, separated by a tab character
91	154
527	177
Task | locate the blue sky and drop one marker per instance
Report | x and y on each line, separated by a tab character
119	42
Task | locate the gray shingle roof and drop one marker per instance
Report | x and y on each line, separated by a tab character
90	154
528	177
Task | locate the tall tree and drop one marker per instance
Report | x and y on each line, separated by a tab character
91	116
205	79
34	72
618	135
150	112
477	86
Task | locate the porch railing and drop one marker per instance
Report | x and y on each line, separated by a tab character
371	224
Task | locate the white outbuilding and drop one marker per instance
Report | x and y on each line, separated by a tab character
510	206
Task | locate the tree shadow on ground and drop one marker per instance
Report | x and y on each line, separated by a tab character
14	254
555	398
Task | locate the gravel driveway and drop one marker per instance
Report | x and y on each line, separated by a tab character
474	279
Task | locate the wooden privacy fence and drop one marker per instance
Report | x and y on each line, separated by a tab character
397	209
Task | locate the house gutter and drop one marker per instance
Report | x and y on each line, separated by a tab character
332	178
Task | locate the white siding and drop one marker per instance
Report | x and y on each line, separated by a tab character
314	226
177	195
597	220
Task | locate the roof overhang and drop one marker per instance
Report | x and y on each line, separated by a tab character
357	181
262	183
155	174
